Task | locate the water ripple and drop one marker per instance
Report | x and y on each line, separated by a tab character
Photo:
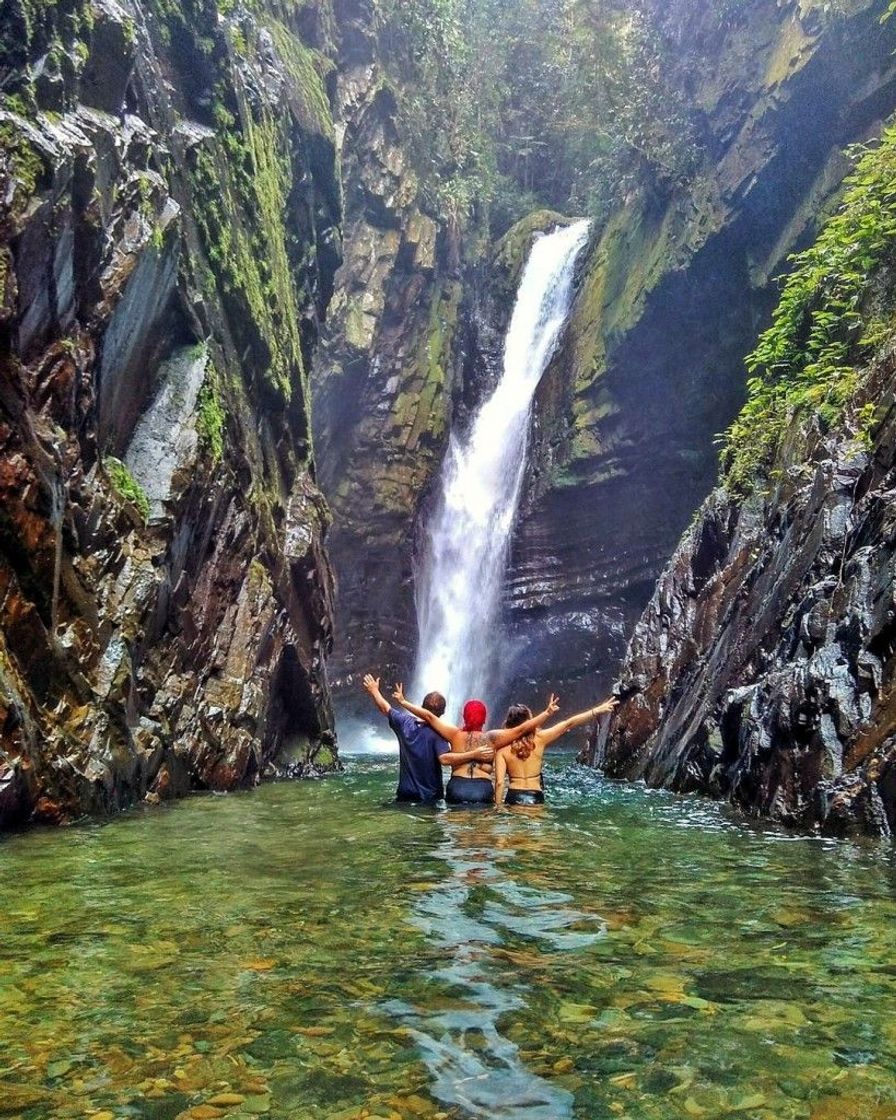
473	1065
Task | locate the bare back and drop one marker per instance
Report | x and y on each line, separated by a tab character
469	741
525	773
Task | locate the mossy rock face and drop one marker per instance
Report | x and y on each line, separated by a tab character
390	366
307	70
127	486
188	208
23	168
512	251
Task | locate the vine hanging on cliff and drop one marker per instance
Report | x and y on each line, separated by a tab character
807	363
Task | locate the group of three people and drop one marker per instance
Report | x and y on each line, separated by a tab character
481	761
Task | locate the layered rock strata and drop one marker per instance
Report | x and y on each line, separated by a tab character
670	301
170	227
762	670
384	377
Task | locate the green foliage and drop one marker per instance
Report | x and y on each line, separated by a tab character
124	483
514	106
430	57
210	418
806	363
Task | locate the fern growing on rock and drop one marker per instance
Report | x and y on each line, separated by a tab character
808	363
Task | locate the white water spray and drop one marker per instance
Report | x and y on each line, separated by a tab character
460	575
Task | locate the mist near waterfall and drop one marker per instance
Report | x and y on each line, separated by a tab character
460	573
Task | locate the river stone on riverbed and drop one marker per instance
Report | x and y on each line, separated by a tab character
617	985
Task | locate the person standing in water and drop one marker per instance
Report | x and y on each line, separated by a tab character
420	750
521	762
472	781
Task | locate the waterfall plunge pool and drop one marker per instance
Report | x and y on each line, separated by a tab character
306	951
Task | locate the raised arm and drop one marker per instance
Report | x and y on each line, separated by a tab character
509	735
548	735
372	684
446	730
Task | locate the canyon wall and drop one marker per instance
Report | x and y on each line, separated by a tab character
671	299
676	284
762	670
384	375
170	229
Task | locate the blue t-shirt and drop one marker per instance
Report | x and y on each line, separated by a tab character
419	769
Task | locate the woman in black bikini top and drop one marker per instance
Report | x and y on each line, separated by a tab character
472	748
522	761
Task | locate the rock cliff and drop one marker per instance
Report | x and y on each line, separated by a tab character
170	213
762	669
671	299
384	375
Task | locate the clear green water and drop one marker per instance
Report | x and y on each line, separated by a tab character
308	952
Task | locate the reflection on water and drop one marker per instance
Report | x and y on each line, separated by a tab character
305	953
469	912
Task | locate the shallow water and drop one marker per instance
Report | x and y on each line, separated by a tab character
303	951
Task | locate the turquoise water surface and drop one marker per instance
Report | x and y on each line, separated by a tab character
307	951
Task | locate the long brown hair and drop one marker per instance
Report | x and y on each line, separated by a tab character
517	714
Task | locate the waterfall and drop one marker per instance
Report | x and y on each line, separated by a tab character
460	573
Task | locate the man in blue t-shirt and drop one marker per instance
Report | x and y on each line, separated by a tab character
419	747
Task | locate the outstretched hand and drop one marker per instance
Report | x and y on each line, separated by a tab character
398	692
553	704
607	706
371	683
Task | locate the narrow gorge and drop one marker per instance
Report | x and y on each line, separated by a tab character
678	280
258	265
360	353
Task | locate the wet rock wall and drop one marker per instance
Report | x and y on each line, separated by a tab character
170	227
673	296
387	370
762	669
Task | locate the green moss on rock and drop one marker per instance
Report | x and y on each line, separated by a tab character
307	69
241	197
511	252
210	417
125	485
20	164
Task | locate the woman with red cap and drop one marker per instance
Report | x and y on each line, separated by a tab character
472	753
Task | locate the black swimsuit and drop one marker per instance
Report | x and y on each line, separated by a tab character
469	790
525	796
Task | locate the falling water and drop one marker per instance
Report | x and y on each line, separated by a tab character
461	572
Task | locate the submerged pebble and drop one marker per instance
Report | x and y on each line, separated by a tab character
619	956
